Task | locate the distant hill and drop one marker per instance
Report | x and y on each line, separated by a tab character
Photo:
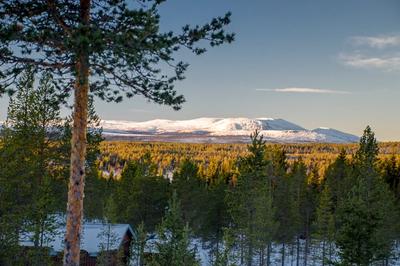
221	130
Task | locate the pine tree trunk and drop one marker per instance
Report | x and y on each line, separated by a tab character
297	251
291	254
269	254
262	263
241	250
250	241
78	151
283	254
218	237
77	172
306	250
323	252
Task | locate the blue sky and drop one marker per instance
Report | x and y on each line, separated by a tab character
312	62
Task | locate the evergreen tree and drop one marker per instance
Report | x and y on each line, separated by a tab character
191	191
140	195
391	175
215	217
324	225
108	238
367	215
29	144
252	217
43	222
97	189
138	245
365	234
33	165
301	204
226	257
16	162
285	207
264	223
366	155
338	179
309	208
118	48
173	246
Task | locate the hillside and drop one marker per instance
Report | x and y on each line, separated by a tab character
221	130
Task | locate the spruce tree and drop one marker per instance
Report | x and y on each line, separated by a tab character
391	174
174	246
365	234
140	195
309	208
107	237
366	155
227	256
191	191
324	225
265	225
215	216
16	161
285	202
30	144
250	201
338	179
138	246
367	215
301	211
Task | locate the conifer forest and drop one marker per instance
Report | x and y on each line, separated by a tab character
72	193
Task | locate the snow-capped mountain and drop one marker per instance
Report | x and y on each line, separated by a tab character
221	130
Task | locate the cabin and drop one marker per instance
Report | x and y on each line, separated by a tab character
99	241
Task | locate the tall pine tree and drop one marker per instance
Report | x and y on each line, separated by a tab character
30	142
250	202
110	48
367	215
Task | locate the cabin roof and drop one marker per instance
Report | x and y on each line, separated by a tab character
94	235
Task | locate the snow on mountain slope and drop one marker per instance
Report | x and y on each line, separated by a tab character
336	135
214	129
220	125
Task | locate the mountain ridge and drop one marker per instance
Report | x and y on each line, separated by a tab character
224	130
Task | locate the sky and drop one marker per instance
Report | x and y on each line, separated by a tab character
312	62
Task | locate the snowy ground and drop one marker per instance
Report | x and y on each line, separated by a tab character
314	257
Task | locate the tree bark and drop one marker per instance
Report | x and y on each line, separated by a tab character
78	150
297	251
250	242
241	250
323	252
306	247
269	254
77	172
